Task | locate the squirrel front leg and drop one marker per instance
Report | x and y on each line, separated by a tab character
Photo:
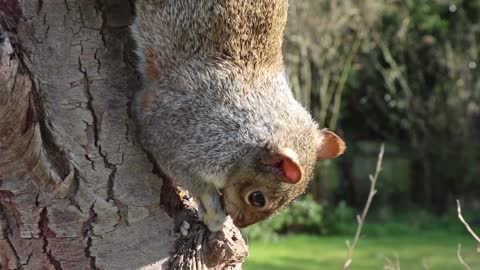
214	215
202	187
213	212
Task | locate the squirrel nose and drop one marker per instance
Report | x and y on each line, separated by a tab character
242	222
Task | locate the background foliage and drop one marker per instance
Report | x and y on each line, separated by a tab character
404	72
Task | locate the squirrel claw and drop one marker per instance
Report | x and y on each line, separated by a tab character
184	228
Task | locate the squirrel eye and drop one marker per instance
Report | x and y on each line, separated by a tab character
257	199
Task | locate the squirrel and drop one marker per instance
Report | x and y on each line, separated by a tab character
216	111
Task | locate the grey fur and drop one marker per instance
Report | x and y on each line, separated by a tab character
213	98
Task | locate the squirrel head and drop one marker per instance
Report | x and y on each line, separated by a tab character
272	178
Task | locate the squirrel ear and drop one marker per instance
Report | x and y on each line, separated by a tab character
286	160
330	145
291	170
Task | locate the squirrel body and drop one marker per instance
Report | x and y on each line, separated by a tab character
216	111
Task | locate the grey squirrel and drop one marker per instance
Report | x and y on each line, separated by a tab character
216	111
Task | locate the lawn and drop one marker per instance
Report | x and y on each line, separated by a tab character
415	251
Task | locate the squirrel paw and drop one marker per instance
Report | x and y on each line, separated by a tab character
214	221
214	216
184	228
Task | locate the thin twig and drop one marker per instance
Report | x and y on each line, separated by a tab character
425	264
470	230
390	265
361	219
460	258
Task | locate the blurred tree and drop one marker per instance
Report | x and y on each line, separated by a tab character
401	71
323	40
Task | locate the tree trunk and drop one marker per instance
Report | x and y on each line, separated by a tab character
76	190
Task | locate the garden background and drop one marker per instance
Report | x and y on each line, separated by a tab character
406	74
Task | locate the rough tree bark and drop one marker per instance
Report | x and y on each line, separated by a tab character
76	190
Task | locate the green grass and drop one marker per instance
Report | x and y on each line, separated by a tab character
435	250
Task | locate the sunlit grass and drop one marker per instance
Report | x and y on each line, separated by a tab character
420	251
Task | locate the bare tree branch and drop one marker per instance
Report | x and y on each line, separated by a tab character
470	230
425	264
392	265
460	258
361	219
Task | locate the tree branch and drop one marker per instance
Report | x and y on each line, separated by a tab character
361	219
460	258
470	230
